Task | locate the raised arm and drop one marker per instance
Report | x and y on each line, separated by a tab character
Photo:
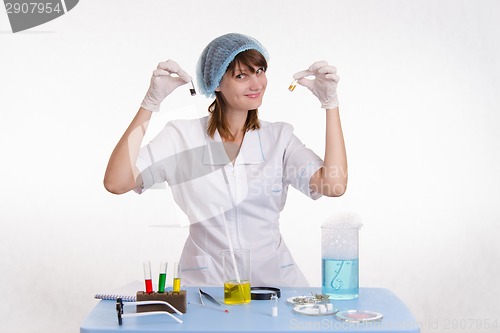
331	179
122	174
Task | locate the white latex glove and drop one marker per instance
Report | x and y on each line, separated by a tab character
324	85
166	78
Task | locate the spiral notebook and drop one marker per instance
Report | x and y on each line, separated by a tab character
126	293
114	297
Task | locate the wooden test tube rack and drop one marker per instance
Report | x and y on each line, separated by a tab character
176	299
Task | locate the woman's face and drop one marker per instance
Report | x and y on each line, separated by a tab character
244	89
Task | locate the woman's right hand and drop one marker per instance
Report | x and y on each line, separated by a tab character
166	78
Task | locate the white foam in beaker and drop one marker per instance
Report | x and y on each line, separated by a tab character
339	237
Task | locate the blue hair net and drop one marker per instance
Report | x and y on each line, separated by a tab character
217	56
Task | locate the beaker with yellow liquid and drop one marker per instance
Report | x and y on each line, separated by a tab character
236	268
236	293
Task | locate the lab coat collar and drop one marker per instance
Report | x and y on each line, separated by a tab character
250	151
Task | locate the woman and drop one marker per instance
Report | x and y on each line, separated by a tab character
231	165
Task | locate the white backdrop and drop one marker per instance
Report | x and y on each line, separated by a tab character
419	105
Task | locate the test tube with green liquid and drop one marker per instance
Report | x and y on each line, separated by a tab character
163	277
177	277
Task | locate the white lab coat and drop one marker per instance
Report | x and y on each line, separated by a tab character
252	193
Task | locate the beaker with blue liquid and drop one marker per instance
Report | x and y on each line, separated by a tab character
340	260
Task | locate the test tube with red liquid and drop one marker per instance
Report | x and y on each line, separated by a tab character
147	277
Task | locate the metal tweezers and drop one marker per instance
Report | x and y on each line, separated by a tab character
208	296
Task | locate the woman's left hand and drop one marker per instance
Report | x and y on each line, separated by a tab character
324	84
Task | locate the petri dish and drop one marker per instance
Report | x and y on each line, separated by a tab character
358	316
316	309
309	299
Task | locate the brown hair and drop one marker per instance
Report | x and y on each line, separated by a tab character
218	120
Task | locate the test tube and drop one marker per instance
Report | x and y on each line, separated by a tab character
293	85
177	277
192	90
147	277
163	277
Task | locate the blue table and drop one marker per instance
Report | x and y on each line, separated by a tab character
256	316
